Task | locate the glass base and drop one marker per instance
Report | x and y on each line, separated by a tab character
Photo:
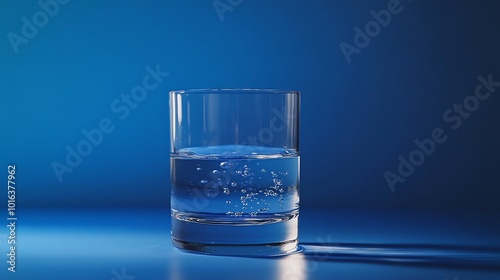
267	236
249	250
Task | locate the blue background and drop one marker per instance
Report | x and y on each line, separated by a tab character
357	117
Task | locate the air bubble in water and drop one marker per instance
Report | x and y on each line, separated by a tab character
226	164
234	184
243	190
228	202
198	168
226	191
203	181
215	171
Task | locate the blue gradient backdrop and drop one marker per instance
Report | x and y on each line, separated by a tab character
357	117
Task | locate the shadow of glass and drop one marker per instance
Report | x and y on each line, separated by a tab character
449	256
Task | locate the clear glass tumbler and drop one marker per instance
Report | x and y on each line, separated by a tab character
235	171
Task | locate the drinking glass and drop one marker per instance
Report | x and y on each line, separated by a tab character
235	171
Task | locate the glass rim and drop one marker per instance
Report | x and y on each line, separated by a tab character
234	91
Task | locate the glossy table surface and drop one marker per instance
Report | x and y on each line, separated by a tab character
339	244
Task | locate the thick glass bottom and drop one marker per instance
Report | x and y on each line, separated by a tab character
250	250
266	237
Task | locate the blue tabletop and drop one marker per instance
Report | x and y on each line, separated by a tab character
135	244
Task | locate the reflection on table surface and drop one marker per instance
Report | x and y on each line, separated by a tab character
135	244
